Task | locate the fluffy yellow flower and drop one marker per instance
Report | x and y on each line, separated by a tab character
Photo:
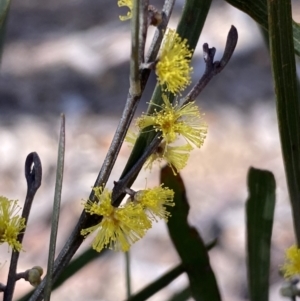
120	227
176	156
155	200
173	68
175	120
129	4
11	224
292	265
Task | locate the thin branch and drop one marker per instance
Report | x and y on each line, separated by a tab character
122	184
157	39
159	33
33	175
213	68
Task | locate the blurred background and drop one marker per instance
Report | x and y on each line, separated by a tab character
72	57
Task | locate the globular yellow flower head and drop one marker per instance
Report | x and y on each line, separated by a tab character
292	265
11	224
176	156
120	227
129	4
173	121
155	200
173	68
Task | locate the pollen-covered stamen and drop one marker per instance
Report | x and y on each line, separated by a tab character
173	121
120	227
173	67
11	225
292	265
155	200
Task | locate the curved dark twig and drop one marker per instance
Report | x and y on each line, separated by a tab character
213	68
33	175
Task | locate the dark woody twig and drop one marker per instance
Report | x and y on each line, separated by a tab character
122	184
213	68
33	175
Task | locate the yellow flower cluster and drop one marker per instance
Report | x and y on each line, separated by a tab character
121	227
173	71
10	224
154	202
173	122
175	156
292	265
173	67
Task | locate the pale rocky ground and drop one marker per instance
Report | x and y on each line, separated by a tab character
72	57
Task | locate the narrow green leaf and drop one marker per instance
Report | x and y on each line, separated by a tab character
189	244
158	284
163	281
259	213
287	102
192	20
258	10
56	207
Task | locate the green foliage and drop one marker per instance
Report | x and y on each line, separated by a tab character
189	244
157	285
259	214
258	10
287	102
